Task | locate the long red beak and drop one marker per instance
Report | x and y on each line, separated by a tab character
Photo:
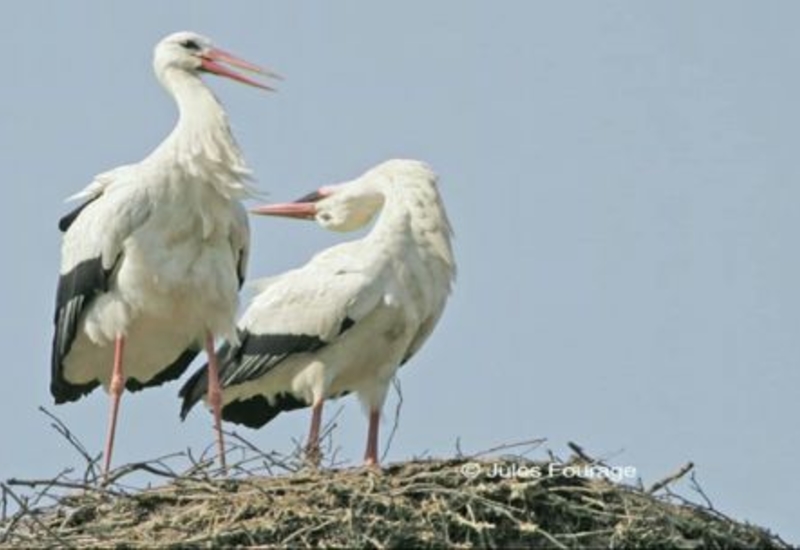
212	62
304	208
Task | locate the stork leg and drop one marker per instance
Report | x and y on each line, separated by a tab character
215	397
115	389
312	447
371	456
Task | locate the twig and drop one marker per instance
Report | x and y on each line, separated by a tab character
126	469
554	541
43	493
247	444
578	450
60	427
49	483
306	530
709	506
270	459
399	390
529	442
12	524
459	452
326	435
699	490
198	465
658	485
24	510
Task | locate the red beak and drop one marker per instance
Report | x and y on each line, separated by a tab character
303	208
212	62
300	210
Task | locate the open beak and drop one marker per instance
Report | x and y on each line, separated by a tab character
304	208
212	61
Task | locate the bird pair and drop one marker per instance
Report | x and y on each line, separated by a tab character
155	256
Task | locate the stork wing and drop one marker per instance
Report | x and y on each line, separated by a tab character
66	221
300	311
92	247
425	330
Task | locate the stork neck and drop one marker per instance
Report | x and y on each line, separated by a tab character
201	141
198	109
414	212
394	217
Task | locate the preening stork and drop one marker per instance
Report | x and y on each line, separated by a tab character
348	319
153	260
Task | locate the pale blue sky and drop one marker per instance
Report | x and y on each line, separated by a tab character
621	176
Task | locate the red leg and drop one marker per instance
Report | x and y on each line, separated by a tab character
215	397
115	389
312	447
371	456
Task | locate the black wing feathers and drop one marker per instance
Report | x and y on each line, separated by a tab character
258	354
171	372
257	411
255	356
346	324
240	270
76	290
67	219
196	386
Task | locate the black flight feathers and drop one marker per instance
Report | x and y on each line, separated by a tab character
256	355
256	411
76	290
171	372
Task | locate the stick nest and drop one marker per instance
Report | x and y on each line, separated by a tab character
421	503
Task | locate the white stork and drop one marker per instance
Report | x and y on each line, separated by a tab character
348	319
153	260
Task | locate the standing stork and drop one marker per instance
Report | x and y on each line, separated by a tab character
348	319
153	260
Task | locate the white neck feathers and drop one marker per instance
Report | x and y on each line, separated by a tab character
201	146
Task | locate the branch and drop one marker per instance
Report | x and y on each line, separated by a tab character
61	428
699	490
147	466
578	450
25	511
534	443
658	485
399	390
49	483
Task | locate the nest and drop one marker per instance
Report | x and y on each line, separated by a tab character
275	500
422	503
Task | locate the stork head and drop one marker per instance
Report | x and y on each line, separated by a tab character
343	207
193	53
351	205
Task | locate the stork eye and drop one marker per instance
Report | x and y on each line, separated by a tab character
190	44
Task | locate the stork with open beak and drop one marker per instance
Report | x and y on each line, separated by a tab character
153	259
349	318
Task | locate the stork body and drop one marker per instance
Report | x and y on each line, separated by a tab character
352	315
152	261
